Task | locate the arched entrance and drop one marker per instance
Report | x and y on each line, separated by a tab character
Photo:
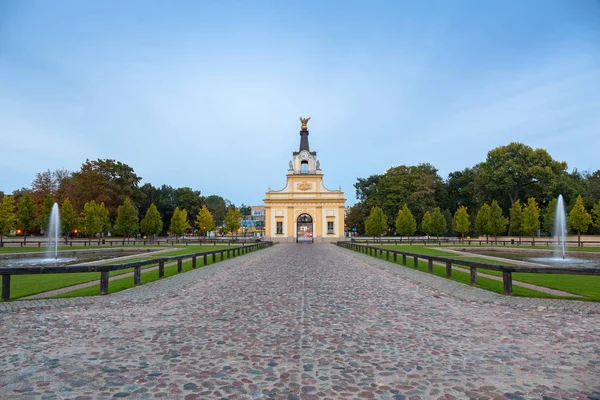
304	230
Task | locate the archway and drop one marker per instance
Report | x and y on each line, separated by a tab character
304	230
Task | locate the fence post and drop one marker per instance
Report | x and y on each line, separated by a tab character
137	274
194	262
473	276
104	282
228	256
430	266
161	269
395	257
415	262
5	287
179	265
403	259
448	269
205	259
507	280
214	257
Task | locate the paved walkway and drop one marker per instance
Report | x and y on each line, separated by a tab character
301	321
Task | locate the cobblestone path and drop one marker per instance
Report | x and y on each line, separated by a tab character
298	321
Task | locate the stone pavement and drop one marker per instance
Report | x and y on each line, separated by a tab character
300	321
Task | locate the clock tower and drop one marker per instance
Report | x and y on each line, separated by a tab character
304	210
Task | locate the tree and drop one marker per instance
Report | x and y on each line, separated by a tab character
531	217
355	219
26	212
218	208
245	210
44	218
516	219
189	200
152	223
127	219
376	223
405	222
205	221
517	170
482	221
596	214
579	219
8	218
233	220
461	222
68	219
179	222
426	223
497	221
95	219
439	226
548	216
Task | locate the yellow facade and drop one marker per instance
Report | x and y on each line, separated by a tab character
304	198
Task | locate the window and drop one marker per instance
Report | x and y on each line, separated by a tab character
280	228
330	228
304	167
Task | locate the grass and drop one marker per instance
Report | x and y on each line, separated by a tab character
583	285
27	285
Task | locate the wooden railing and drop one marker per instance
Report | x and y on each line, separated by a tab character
132	242
481	242
136	265
507	271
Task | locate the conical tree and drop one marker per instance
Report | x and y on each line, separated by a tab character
531	218
439	226
44	219
179	223
376	223
26	215
579	219
8	218
405	222
233	220
426	223
482	221
152	222
497	222
68	219
516	219
127	219
205	221
461	222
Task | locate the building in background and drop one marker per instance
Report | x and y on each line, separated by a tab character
255	222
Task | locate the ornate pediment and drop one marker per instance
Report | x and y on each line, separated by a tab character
304	186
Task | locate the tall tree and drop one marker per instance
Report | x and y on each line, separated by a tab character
95	219
205	221
152	223
355	219
68	219
127	219
405	222
579	219
531	217
218	208
26	212
190	200
426	223
376	223
596	214
517	171
482	221
516	219
461	190
44	218
233	220
439	225
179	222
548	216
8	218
461	222
497	222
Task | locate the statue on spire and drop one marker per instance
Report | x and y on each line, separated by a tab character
304	121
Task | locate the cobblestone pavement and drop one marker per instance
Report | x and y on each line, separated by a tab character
300	322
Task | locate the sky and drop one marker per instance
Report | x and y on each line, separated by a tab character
208	94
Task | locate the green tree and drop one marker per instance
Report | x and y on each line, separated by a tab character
95	219
439	225
426	223
205	221
8	218
356	219
44	218
152	223
596	214
127	219
497	222
218	208
482	221
179	222
531	217
26	212
68	219
376	223
233	220
516	219
548	216
579	219
461	222
405	222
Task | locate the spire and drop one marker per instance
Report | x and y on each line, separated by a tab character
304	134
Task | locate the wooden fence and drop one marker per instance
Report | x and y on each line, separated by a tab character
507	271
479	242
136	265
134	242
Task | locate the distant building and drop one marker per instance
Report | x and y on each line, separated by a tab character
255	222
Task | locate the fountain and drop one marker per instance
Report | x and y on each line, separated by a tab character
53	232
560	224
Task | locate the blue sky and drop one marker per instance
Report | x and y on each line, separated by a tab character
207	94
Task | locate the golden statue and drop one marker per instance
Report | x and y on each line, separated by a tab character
304	121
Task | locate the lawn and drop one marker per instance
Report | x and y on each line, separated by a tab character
27	285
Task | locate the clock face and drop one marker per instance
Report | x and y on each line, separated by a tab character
304	155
